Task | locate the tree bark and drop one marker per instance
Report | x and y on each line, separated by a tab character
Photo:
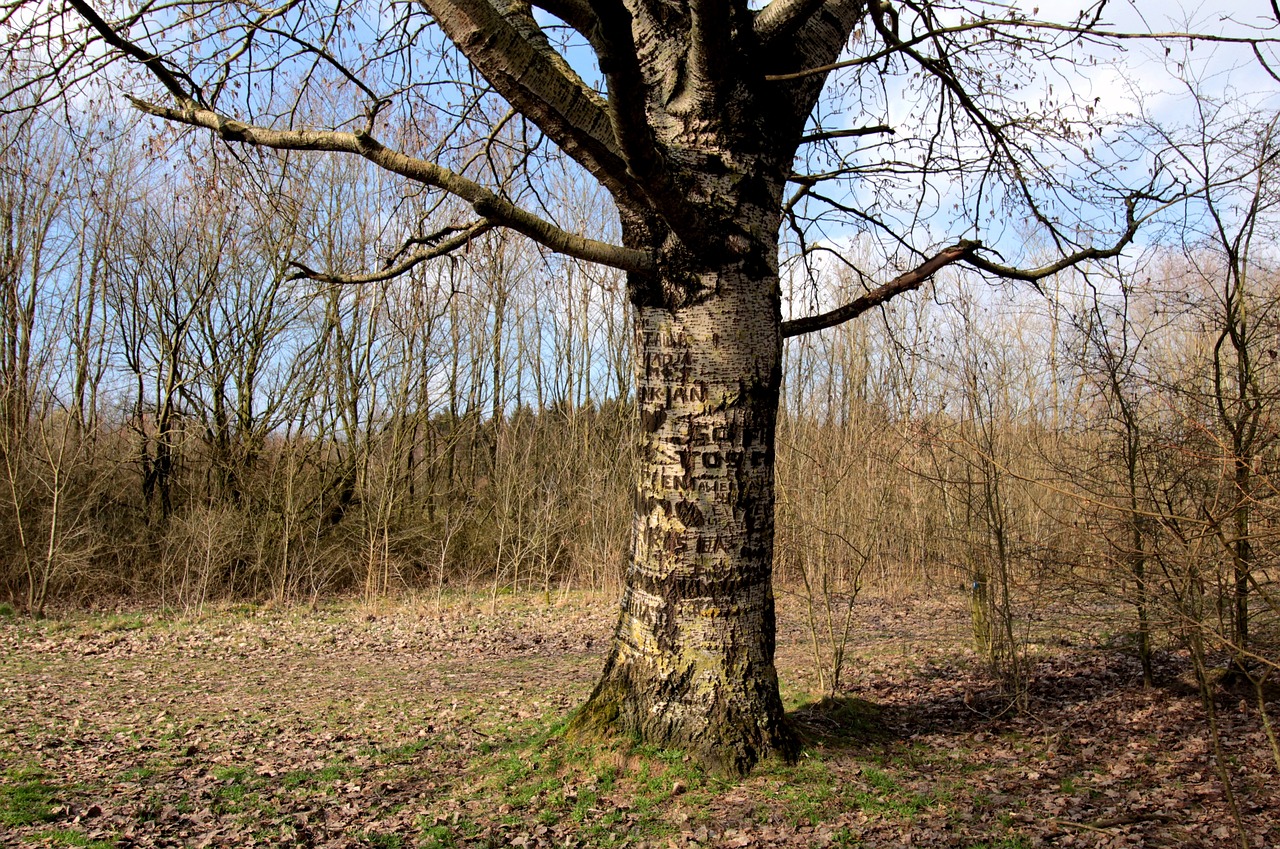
692	660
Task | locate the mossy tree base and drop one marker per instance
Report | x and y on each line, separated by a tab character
696	676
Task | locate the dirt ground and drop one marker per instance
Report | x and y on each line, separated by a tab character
434	725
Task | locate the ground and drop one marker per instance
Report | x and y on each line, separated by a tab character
434	724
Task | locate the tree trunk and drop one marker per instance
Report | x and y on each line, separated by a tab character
1242	559
692	660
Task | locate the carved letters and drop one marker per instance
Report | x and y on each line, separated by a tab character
705	451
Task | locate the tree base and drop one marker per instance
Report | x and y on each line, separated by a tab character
727	733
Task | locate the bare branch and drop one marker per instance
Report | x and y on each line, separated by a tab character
814	37
247	43
909	281
440	248
709	62
576	13
1033	275
783	17
512	54
485	202
616	51
856	132
1077	30
177	83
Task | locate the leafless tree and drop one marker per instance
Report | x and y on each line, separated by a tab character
719	128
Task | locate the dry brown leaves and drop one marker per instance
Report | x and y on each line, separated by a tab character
426	726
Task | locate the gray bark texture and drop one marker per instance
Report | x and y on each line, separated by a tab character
691	664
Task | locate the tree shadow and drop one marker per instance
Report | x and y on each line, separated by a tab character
960	699
841	722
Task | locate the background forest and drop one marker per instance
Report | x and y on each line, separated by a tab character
185	418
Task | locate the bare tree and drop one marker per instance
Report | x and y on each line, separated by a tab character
1231	152
712	136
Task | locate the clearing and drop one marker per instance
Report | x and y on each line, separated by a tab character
434	725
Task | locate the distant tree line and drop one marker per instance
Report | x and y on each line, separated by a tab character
185	418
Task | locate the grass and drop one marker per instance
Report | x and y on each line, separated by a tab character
806	790
1013	841
611	792
67	837
461	747
138	773
321	778
887	798
238	792
122	623
26	798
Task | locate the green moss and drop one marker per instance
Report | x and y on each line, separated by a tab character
594	719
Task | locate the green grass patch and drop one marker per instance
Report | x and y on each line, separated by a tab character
805	789
888	797
1013	841
609	792
122	623
138	773
26	798
67	837
237	792
320	778
845	838
403	752
440	836
437	837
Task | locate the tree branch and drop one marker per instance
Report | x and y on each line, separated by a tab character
440	248
856	132
781	18
619	62
907	282
709	52
179	85
576	13
815	36
509	50
485	202
1033	275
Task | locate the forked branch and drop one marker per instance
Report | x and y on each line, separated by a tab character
967	251
493	209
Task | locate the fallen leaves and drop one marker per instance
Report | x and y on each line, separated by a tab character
329	729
